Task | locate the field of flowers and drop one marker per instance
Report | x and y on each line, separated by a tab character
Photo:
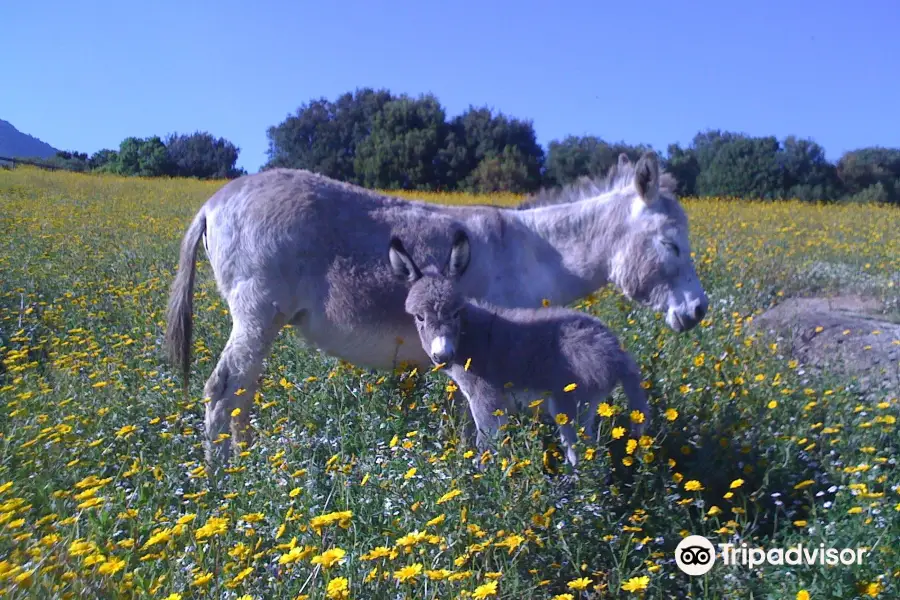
359	485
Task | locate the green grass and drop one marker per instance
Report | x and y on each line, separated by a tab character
104	494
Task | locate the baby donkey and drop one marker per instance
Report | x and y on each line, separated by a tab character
484	348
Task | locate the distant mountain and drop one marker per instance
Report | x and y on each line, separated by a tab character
15	144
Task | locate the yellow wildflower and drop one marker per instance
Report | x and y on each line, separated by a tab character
449	496
408	573
485	590
329	558
579	584
338	589
636	584
693	486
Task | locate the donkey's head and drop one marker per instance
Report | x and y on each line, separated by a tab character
434	299
651	262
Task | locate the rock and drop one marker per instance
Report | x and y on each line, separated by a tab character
846	336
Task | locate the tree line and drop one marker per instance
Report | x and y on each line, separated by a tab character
199	155
378	139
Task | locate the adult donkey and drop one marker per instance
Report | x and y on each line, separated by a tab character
290	246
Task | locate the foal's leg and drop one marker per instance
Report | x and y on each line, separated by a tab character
255	323
567	432
637	399
587	407
588	418
482	404
467	423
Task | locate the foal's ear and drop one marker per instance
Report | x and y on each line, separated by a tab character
402	263
646	177
459	255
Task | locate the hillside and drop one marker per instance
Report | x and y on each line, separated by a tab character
16	144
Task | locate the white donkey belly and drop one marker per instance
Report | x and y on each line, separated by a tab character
371	347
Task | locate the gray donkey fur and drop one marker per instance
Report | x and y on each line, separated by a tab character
503	358
293	247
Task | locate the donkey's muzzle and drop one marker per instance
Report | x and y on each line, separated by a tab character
687	317
700	310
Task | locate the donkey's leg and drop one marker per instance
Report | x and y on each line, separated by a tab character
254	327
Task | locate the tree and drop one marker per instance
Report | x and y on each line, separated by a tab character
323	136
728	163
579	156
876	193
706	145
808	174
507	172
69	160
402	150
356	138
203	156
742	167
103	160
67	155
877	168
143	157
478	135
683	165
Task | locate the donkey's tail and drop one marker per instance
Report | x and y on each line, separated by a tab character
180	314
631	385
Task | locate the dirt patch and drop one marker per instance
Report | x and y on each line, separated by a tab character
850	337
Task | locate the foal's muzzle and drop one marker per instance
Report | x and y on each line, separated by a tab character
442	349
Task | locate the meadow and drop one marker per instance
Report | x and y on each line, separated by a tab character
360	485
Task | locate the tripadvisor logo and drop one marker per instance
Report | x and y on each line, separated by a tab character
696	555
795	555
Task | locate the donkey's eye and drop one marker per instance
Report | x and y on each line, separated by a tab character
420	318
456	314
673	247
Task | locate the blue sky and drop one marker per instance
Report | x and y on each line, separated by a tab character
88	74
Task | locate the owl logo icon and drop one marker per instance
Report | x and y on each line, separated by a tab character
695	555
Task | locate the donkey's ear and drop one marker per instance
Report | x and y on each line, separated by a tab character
402	263
459	255
624	161
646	177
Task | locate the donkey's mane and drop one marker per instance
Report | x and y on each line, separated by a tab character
619	176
